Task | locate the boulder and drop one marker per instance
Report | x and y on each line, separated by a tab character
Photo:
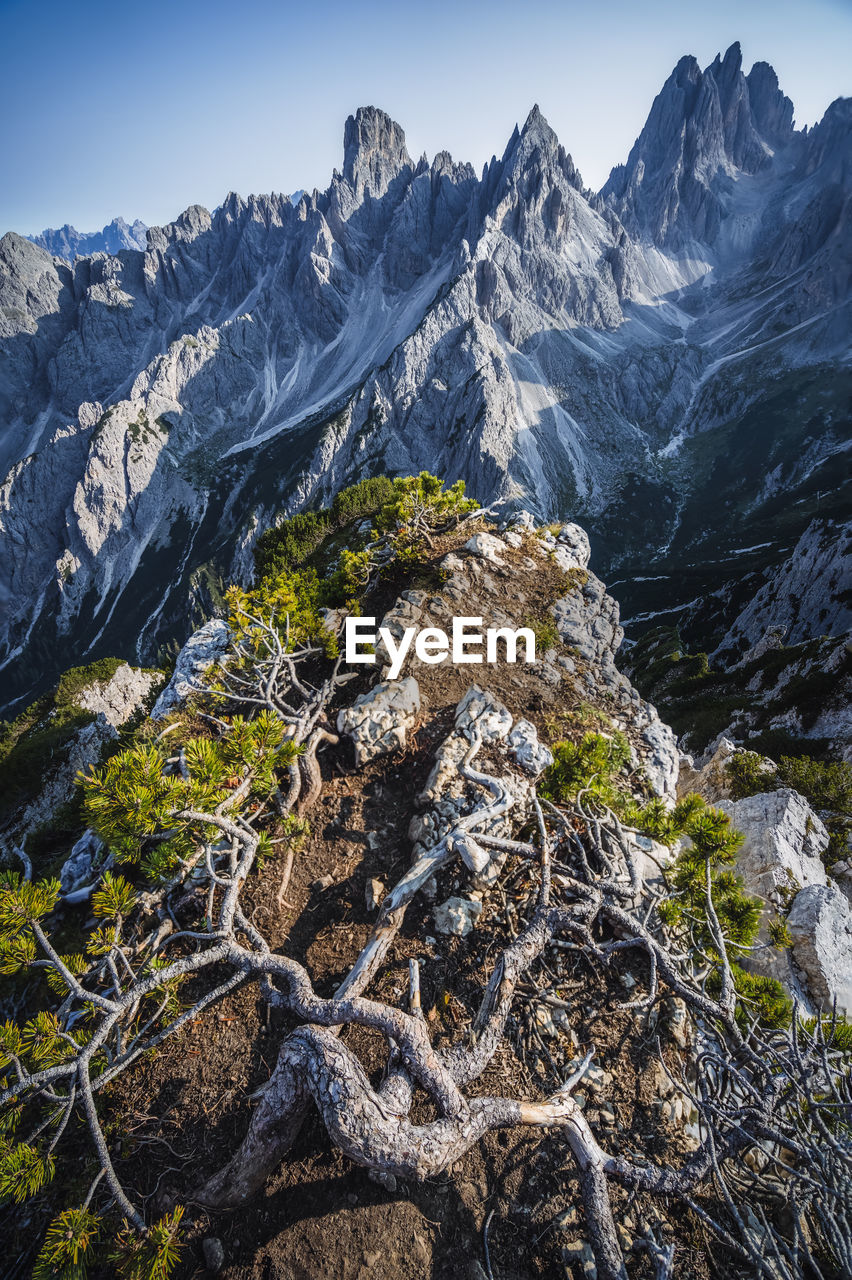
481	710
574	541
842	873
201	650
780	856
820	921
659	756
524	745
377	722
783	842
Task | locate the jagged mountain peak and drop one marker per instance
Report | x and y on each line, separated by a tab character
771	108
704	129
374	151
535	152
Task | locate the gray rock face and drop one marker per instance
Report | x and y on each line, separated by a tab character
821	924
806	595
201	650
160	404
588	621
378	721
704	129
779	860
784	840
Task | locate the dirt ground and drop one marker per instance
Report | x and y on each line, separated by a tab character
320	1216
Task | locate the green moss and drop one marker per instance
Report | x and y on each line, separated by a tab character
545	632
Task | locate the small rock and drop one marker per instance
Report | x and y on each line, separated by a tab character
214	1254
324	882
566	1219
487	547
676	1020
373	894
457	916
430	890
625	1239
578	1253
383	1179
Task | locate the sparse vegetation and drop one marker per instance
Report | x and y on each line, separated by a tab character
36	737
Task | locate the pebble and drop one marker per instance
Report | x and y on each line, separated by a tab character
324	882
580	1252
214	1254
567	1218
373	894
625	1239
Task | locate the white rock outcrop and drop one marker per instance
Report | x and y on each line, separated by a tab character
378	721
119	697
783	842
820	921
201	650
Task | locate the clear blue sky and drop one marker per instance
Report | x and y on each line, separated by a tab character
141	109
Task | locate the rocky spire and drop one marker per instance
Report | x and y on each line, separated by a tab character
702	127
374	151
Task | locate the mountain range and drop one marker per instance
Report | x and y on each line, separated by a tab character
69	243
665	360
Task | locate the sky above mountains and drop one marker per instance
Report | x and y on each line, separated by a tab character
140	111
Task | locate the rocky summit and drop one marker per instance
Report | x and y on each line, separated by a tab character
665	361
